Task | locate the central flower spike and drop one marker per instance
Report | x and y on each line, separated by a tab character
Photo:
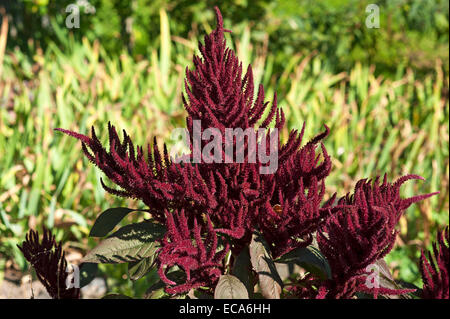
218	95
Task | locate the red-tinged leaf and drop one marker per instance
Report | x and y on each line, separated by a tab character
138	269
269	279
230	287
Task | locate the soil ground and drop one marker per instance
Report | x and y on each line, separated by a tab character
17	285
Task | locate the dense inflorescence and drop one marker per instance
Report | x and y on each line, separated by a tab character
361	231
435	271
200	262
48	260
229	199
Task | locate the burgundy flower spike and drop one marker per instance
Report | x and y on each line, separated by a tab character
435	270
362	231
48	260
200	262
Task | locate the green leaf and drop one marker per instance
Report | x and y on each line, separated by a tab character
269	280
156	291
230	287
310	258
108	220
130	243
88	271
138	269
198	294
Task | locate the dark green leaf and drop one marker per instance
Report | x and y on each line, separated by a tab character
138	269
87	273
310	258
108	220
156	291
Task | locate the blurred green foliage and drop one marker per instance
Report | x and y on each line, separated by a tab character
383	93
412	32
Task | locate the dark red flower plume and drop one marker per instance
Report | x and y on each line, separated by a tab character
200	262
435	270
48	260
361	231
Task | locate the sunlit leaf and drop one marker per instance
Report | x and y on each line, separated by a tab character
130	243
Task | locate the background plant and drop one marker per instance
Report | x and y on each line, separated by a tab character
412	32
